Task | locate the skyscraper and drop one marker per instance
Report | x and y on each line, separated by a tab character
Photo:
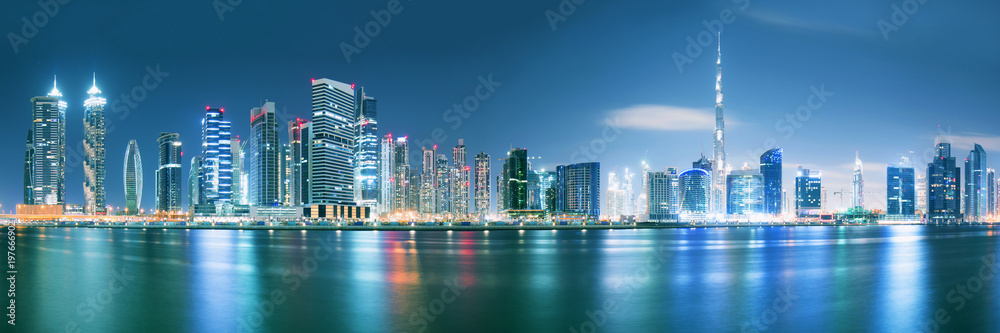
168	173
195	183
49	157
442	185
695	194
808	193
900	190
515	179
460	181
240	192
745	192
93	146
133	178
403	188
29	156
331	156
366	157
858	184
482	180
428	181
943	179
539	182
386	179
770	168
286	174
991	183
216	173
642	199
264	157
977	189
921	199
578	187
662	192
299	138
718	196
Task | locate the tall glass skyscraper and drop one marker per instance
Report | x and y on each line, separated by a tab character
216	173
515	179
442	185
578	187
770	168
366	186
943	179
482	180
900	190
460	181
977	189
168	173
428	181
808	193
264	157
745	192
662	189
49	157
29	156
299	138
133	178
331	155
539	182
195	183
403	188
695	194
240	179
386	180
93	146
858	185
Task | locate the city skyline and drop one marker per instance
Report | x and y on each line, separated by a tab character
397	118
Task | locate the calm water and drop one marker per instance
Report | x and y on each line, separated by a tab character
793	279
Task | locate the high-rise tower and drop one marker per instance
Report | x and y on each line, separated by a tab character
49	156
858	188
331	154
216	175
133	179
264	153
93	147
719	174
168	173
366	154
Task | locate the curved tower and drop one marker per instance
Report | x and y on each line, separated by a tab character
93	146
133	178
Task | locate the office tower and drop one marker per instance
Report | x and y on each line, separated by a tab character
240	181
920	202
195	183
991	183
615	196
366	189
460	181
858	184
216	173
442	185
662	190
413	190
539	182
403	188
900	190
808	192
29	156
745	192
386	175
286	174
168	173
977	195
501	200
943	179
133	178
299	134
428	181
718	196
264	157
93	147
331	156
704	164
482	179
515	179
770	168
579	189
49	139
695	194
823	204
642	199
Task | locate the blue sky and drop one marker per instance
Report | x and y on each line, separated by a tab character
559	89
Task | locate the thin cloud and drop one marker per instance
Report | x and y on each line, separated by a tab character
965	141
662	118
782	20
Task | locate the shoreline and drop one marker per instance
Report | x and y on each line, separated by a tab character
476	227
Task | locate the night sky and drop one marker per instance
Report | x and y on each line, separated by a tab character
936	73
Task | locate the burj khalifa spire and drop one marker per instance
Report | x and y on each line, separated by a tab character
719	172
